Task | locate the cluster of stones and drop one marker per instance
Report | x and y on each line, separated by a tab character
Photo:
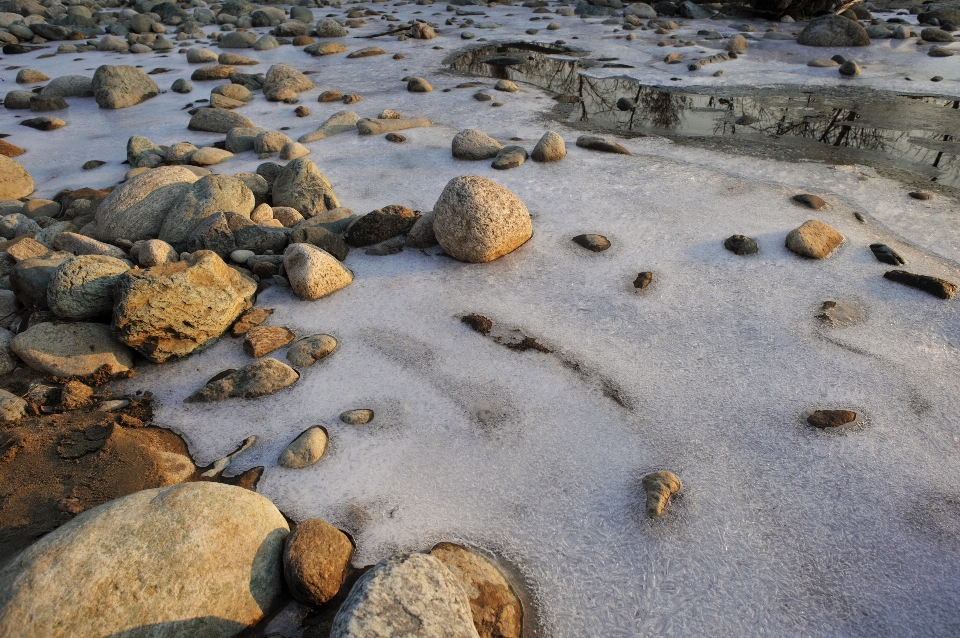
227	566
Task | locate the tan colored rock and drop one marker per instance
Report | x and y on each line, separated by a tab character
249	319
314	273
15	181
316	559
378	126
476	220
26	248
198	559
293	150
287	216
813	239
497	612
173	309
261	213
302	186
72	349
305	450
210	155
550	148
155	252
261	340
659	486
339	122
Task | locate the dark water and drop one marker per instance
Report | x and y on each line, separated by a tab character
919	134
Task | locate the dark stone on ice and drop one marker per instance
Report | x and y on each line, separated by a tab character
811	201
643	280
741	245
830	418
479	323
887	255
931	285
595	243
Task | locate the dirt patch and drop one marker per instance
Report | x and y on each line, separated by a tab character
55	466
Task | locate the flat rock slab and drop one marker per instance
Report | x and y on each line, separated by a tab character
72	349
340	122
887	255
261	340
173	309
378	126
249	319
601	144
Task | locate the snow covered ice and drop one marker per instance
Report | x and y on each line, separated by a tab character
780	529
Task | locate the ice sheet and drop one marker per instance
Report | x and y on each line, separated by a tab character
781	530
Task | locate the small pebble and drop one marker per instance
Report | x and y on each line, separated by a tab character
643	280
595	243
357	417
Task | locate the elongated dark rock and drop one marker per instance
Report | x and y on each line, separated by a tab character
932	285
887	255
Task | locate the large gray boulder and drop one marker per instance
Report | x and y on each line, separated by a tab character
69	86
410	595
136	209
117	87
82	287
218	120
833	31
477	220
71	350
302	186
177	308
195	559
15	181
205	197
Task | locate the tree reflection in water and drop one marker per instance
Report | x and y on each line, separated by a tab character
909	132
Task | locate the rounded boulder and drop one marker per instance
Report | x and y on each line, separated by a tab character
477	220
196	559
